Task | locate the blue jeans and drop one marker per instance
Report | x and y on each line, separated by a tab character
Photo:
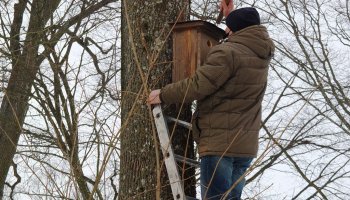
227	172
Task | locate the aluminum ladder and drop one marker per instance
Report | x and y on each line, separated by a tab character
170	158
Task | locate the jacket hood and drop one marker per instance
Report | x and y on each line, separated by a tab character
255	38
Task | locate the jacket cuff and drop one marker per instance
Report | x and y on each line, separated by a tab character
161	96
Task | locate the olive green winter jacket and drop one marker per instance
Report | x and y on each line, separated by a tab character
229	88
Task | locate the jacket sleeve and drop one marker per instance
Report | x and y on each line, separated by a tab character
207	79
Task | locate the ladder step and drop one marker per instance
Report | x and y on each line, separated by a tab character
180	122
191	198
188	161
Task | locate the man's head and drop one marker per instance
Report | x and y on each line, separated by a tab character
242	18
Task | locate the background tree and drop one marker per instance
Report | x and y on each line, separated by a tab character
307	107
304	140
37	38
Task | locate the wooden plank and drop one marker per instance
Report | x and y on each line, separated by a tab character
204	26
192	41
207	42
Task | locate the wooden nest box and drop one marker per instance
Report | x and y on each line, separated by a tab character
192	41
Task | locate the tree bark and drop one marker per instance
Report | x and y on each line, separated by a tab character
144	28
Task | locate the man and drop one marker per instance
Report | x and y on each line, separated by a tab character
229	89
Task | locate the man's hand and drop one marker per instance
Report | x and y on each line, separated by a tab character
226	8
153	97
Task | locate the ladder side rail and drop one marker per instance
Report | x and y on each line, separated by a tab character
168	154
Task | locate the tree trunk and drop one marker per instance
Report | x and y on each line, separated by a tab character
144	28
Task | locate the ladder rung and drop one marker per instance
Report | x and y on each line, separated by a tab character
180	122
191	198
188	161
